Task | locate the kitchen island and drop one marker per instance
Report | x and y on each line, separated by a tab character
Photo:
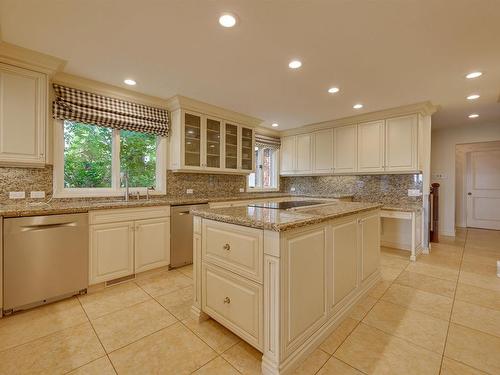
284	280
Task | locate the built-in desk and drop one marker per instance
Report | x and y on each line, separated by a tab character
413	214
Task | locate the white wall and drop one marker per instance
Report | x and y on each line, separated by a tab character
444	143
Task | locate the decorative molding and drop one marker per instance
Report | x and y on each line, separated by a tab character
423	108
29	59
183	102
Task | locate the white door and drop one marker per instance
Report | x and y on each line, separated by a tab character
323	151
288	154
483	189
23	115
371	146
152	244
304	153
401	143
345	149
111	251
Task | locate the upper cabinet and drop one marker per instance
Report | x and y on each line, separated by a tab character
204	143
401	143
23	116
371	146
345	149
383	146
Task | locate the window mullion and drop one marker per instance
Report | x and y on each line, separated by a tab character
115	163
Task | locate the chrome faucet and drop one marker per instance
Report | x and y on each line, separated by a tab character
127	190
152	188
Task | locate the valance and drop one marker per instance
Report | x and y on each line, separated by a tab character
82	106
262	140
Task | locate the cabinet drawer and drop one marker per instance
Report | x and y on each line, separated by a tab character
234	302
236	248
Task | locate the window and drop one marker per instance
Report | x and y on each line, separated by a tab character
266	175
92	160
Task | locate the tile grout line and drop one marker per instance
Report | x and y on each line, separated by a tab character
453	302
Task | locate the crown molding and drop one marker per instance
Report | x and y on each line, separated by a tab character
105	89
182	102
29	59
423	108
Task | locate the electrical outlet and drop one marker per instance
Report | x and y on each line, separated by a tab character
17	195
242	190
292	189
439	176
414	193
37	194
189	191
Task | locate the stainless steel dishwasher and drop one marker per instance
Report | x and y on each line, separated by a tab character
45	259
181	235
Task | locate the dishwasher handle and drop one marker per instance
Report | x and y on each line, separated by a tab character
182	213
27	228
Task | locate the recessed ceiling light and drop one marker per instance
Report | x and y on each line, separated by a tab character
473	97
333	90
473	75
274	125
294	64
227	20
129	82
473	115
357	106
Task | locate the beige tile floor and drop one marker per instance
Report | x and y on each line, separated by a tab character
440	315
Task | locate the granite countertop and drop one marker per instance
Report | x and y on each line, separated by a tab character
67	206
281	220
405	207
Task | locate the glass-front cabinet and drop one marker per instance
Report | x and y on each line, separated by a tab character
199	142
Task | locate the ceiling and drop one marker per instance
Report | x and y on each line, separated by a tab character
380	53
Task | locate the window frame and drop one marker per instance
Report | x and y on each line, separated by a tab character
59	191
276	164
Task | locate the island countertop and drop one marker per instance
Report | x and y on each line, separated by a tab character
281	220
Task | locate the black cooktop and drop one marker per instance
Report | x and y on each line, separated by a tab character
285	205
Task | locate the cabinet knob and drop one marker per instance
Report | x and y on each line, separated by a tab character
227	300
227	247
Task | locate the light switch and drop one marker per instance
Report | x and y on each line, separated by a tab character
37	194
17	195
242	190
189	191
292	189
414	193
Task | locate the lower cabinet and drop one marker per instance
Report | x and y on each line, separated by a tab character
128	241
370	245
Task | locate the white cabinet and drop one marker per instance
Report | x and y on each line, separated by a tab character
111	251
323	151
204	143
152	244
288	152
401	143
371	146
23	116
370	245
127	241
304	153
345	149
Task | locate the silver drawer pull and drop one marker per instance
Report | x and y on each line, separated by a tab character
227	300
227	247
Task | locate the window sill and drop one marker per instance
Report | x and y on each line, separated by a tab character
262	190
104	193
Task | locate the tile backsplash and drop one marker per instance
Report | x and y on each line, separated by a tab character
25	179
388	189
204	185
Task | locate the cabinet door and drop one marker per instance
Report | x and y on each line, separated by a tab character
247	149
344	260
323	151
152	244
371	146
213	145
23	116
288	154
345	149
231	146
304	153
401	143
111	251
370	245
192	141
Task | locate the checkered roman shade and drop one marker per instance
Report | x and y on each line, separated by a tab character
262	140
82	106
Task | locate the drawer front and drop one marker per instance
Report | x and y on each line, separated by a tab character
236	248
395	214
235	302
128	214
